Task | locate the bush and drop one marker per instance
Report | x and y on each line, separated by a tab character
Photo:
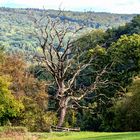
9	106
34	117
125	114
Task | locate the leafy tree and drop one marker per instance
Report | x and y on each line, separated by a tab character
29	91
35	116
130	28
9	106
124	115
91	39
125	54
131	107
133	26
124	57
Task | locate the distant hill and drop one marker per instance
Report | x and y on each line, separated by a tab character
16	28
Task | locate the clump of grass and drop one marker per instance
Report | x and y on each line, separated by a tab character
19	133
9	129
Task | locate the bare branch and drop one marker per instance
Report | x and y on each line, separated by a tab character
63	60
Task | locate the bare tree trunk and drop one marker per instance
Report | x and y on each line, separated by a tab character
62	103
62	116
60	65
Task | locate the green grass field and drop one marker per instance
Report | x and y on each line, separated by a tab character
90	136
18	133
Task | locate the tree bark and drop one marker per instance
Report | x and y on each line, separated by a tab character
62	103
62	116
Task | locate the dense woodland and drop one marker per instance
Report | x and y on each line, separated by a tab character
75	76
16	28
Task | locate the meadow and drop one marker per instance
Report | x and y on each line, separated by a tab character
21	133
90	136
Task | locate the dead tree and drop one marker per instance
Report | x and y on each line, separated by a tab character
63	60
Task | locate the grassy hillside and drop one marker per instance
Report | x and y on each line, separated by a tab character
16	29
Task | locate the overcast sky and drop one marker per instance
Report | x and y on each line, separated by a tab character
113	6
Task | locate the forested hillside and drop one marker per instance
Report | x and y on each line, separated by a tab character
76	77
16	28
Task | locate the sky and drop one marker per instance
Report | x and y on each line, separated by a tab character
113	6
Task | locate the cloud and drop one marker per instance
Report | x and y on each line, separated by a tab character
2	1
119	6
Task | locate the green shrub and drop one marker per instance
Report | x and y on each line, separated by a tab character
9	106
34	117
